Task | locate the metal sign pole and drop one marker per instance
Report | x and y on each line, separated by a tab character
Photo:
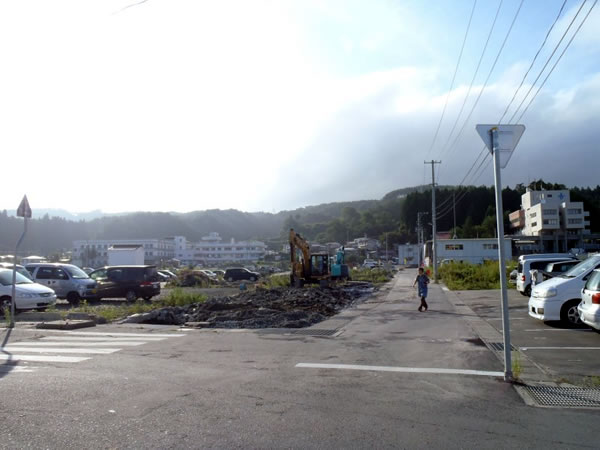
13	295
500	226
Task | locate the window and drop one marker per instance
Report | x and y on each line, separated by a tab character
575	221
532	215
534	224
44	273
490	246
454	246
574	211
550	212
550	222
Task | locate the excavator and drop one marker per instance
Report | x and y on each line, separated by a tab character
311	268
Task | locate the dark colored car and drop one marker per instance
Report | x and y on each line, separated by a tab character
131	282
241	273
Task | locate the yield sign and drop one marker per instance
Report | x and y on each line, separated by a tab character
503	140
24	209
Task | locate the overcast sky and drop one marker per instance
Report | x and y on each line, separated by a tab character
181	105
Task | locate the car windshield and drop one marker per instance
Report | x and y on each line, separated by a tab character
6	278
593	283
581	268
76	272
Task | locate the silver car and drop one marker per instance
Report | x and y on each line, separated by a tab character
68	281
589	308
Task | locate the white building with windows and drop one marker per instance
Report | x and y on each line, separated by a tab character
94	253
211	250
550	220
473	251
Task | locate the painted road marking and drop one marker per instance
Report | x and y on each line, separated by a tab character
109	334
444	288
537	330
100	339
92	351
80	344
43	358
500	318
14	369
401	369
559	348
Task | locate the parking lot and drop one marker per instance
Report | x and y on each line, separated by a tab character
565	354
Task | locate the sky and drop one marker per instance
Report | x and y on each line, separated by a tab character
269	105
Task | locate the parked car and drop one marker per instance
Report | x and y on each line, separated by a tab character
169	273
20	269
208	273
29	295
162	277
131	282
68	281
219	272
236	274
550	271
370	263
531	262
589	308
558	297
88	270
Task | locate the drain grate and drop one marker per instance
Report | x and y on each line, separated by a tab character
313	332
498	346
565	396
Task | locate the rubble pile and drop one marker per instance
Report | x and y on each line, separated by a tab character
263	308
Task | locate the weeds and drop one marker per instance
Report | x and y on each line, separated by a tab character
177	297
516	365
466	276
372	275
275	281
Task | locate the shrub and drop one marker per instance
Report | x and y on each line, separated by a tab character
466	276
377	275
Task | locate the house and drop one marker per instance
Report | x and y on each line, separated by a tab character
473	251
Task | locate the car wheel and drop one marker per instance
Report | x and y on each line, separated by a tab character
252	278
131	296
569	314
5	304
147	298
230	279
528	291
73	298
41	309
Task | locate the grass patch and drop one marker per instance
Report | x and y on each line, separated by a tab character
516	365
591	381
275	281
466	276
177	297
377	275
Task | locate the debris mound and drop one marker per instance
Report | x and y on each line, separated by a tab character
262	308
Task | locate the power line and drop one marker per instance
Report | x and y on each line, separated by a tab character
557	61
488	77
453	79
474	76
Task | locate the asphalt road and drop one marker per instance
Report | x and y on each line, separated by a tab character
168	388
563	353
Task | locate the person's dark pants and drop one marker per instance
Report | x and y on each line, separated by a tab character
423	303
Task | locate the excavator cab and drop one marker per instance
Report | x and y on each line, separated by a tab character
319	265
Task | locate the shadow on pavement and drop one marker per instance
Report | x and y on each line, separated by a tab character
7	366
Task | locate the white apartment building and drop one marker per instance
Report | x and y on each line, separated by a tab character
550	221
211	250
94	252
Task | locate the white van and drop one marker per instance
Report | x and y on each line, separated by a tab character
558	297
532	262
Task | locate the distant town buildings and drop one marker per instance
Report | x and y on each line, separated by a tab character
549	221
210	250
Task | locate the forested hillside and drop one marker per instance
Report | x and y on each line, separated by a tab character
394	217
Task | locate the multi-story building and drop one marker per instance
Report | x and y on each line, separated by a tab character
549	221
94	253
211	250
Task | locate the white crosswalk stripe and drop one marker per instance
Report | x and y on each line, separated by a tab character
70	347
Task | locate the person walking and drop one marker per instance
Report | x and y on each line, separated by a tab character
422	281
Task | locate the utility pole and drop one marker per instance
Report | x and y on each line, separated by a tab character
433	221
420	234
454	209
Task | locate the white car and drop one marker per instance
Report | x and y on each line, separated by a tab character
589	308
559	297
29	295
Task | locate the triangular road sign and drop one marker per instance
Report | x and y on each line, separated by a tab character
508	137
24	209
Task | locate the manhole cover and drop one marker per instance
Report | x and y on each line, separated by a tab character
565	396
313	332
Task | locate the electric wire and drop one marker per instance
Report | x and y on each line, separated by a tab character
453	80
453	145
557	61
473	79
